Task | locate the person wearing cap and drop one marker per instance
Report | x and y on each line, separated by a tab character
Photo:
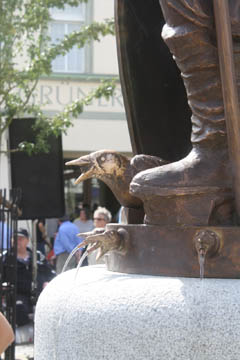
25	298
66	240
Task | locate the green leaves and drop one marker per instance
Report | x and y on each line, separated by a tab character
26	54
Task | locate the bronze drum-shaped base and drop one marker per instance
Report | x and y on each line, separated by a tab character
172	251
197	206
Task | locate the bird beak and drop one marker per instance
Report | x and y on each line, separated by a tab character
86	165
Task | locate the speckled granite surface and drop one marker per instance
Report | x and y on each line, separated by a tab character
112	316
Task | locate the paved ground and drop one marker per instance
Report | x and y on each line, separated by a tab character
24	352
24	342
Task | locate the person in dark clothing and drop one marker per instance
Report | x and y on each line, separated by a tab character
41	235
25	298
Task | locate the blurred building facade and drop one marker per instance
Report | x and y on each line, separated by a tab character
103	123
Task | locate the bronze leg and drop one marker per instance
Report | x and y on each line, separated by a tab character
189	34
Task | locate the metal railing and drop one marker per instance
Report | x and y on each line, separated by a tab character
9	201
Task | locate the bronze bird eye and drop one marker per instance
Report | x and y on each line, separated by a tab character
101	161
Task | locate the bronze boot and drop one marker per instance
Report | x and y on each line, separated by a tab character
197	189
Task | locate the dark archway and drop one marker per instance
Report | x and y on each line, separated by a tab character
155	98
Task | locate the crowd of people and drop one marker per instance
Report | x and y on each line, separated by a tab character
55	240
67	236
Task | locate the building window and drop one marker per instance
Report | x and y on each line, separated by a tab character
64	22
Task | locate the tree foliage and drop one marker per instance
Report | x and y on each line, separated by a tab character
26	54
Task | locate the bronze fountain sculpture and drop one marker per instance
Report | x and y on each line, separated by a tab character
189	190
181	199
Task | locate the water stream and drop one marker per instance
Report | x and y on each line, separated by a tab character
61	316
201	260
73	252
83	257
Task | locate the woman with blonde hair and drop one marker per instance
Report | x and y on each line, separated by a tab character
101	218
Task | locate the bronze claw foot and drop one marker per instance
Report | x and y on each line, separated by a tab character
106	240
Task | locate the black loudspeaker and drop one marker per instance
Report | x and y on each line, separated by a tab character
39	176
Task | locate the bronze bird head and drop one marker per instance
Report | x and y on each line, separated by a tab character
101	164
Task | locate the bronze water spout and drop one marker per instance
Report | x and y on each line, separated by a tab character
207	244
106	240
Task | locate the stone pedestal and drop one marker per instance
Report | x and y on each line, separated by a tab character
113	316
